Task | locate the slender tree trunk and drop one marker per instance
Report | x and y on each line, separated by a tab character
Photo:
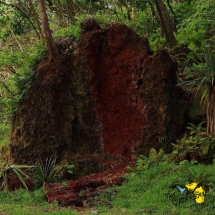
1	45
125	4
174	19
166	23
211	113
48	35
36	19
71	10
59	10
154	13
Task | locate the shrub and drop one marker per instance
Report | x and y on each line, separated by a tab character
196	145
49	172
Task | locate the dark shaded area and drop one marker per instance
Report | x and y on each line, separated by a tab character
164	109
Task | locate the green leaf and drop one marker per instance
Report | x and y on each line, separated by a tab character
184	163
205	147
20	178
152	154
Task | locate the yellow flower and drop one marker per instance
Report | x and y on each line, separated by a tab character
199	192
191	186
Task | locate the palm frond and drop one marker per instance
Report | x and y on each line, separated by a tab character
201	75
21	178
7	170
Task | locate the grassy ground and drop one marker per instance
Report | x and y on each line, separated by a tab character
22	202
146	191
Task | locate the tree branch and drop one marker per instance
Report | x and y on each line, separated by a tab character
23	13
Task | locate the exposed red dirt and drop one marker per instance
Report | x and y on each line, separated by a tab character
91	186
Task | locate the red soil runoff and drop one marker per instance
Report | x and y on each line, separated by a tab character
91	185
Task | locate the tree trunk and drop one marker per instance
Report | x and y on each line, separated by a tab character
36	19
125	4
211	113
174	19
48	35
154	13
71	10
166	23
59	10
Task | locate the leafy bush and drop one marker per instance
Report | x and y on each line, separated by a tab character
4	132
195	24
72	30
18	69
154	159
196	145
197	173
199	76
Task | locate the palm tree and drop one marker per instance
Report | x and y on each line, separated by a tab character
204	82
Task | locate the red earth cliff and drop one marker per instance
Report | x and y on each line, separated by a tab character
111	100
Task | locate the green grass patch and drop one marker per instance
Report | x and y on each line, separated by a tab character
149	192
21	202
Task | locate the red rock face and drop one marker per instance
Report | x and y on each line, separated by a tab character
110	99
115	68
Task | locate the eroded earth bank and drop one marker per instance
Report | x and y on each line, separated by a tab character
111	100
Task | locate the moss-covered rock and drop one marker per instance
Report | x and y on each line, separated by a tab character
109	98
